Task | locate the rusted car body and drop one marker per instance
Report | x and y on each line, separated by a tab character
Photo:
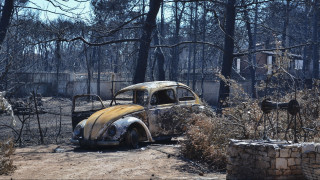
135	114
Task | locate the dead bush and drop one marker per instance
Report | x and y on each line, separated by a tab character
6	151
206	140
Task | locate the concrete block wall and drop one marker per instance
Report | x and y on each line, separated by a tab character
249	159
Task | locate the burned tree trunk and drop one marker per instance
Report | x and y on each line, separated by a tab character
58	64
99	71
145	40
224	89
5	19
195	48
4	24
173	75
252	47
159	57
315	49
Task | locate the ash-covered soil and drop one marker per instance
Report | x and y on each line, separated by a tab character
153	161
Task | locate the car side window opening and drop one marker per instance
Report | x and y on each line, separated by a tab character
140	97
132	97
185	94
163	97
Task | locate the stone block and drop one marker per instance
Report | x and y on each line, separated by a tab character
312	160
262	148
271	152
263	153
297	161
295	154
305	160
244	156
267	159
278	153
281	163
296	172
316	166
271	172
308	147
304	155
293	167
285	153
291	162
287	172
273	164
311	155
317	171
318	158
262	164
248	151
278	172
263	158
317	148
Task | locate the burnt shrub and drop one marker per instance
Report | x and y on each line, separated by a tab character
6	151
206	140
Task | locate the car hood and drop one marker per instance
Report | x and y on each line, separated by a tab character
99	119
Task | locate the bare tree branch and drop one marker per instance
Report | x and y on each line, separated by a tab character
87	42
189	42
273	49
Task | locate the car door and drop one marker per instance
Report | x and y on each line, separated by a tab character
84	106
161	102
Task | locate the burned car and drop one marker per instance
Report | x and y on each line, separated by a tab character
135	115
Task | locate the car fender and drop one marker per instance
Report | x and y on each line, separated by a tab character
125	123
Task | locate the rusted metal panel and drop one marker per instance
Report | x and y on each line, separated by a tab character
104	117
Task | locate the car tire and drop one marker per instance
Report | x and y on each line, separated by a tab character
132	138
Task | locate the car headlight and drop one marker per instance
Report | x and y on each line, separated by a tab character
112	130
77	131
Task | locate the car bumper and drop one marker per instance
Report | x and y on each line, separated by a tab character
94	143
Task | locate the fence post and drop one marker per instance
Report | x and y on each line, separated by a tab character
112	85
37	113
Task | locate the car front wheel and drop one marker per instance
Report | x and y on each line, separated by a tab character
132	138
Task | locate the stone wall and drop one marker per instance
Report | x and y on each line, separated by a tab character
272	160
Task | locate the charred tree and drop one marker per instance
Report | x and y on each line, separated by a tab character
224	89
190	49
173	75
204	22
315	48
195	48
252	47
145	40
58	65
159	57
161	72
6	15
99	71
285	30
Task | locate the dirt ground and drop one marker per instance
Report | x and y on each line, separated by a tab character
151	161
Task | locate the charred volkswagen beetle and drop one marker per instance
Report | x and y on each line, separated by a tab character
135	115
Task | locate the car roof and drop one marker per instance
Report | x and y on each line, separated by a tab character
154	85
